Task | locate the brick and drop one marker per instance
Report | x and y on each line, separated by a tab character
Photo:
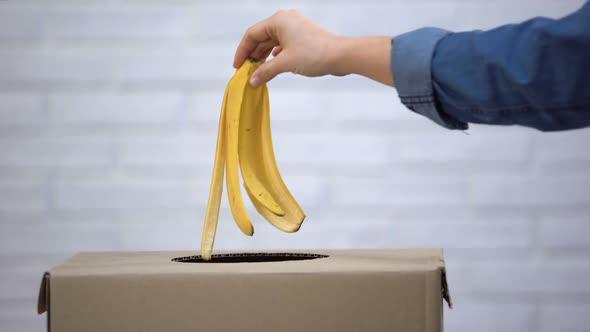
458	274
201	65
21	109
456	147
455	153
56	238
18	308
121	196
333	150
562	146
526	191
491	14
491	317
565	233
27	264
24	324
18	285
236	18
564	317
161	190
54	152
116	217
532	278
204	107
443	233
109	108
295	107
171	235
311	192
25	215
453	16
139	22
371	105
168	235
311	236
562	153
19	314
325	84
451	168
21	23
385	18
405	192
170	151
23	197
44	66
374	109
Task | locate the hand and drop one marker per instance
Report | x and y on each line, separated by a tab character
297	44
300	46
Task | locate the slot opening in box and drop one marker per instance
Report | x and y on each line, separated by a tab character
257	257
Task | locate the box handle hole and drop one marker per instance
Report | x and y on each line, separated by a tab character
258	257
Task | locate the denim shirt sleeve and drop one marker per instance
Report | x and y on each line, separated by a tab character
411	57
532	74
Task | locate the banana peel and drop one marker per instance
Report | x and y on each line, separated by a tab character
244	145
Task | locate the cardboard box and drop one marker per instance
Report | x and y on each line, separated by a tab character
335	290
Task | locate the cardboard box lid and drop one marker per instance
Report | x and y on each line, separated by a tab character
160	263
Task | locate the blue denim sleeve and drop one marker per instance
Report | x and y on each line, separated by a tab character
533	74
411	57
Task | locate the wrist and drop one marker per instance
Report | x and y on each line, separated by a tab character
341	61
366	56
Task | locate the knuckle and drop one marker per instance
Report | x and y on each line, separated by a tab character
268	74
280	13
265	74
284	13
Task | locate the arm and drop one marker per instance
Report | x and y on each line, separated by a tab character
534	74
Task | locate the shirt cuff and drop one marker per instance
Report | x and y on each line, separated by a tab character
411	59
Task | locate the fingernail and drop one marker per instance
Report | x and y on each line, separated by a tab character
254	81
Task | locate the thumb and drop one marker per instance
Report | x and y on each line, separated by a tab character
270	69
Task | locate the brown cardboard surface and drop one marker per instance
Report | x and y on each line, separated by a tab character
351	290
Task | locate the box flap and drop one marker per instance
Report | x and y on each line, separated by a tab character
446	293
43	301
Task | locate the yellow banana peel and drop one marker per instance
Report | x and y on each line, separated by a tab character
244	144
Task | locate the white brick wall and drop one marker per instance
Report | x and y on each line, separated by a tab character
108	118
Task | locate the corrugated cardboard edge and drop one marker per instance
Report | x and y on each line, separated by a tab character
446	293
43	302
445	288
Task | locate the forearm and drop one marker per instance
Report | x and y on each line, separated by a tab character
366	56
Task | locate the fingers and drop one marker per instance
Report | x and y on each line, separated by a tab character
270	69
276	51
255	35
263	50
264	56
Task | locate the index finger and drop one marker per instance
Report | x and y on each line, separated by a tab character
256	34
